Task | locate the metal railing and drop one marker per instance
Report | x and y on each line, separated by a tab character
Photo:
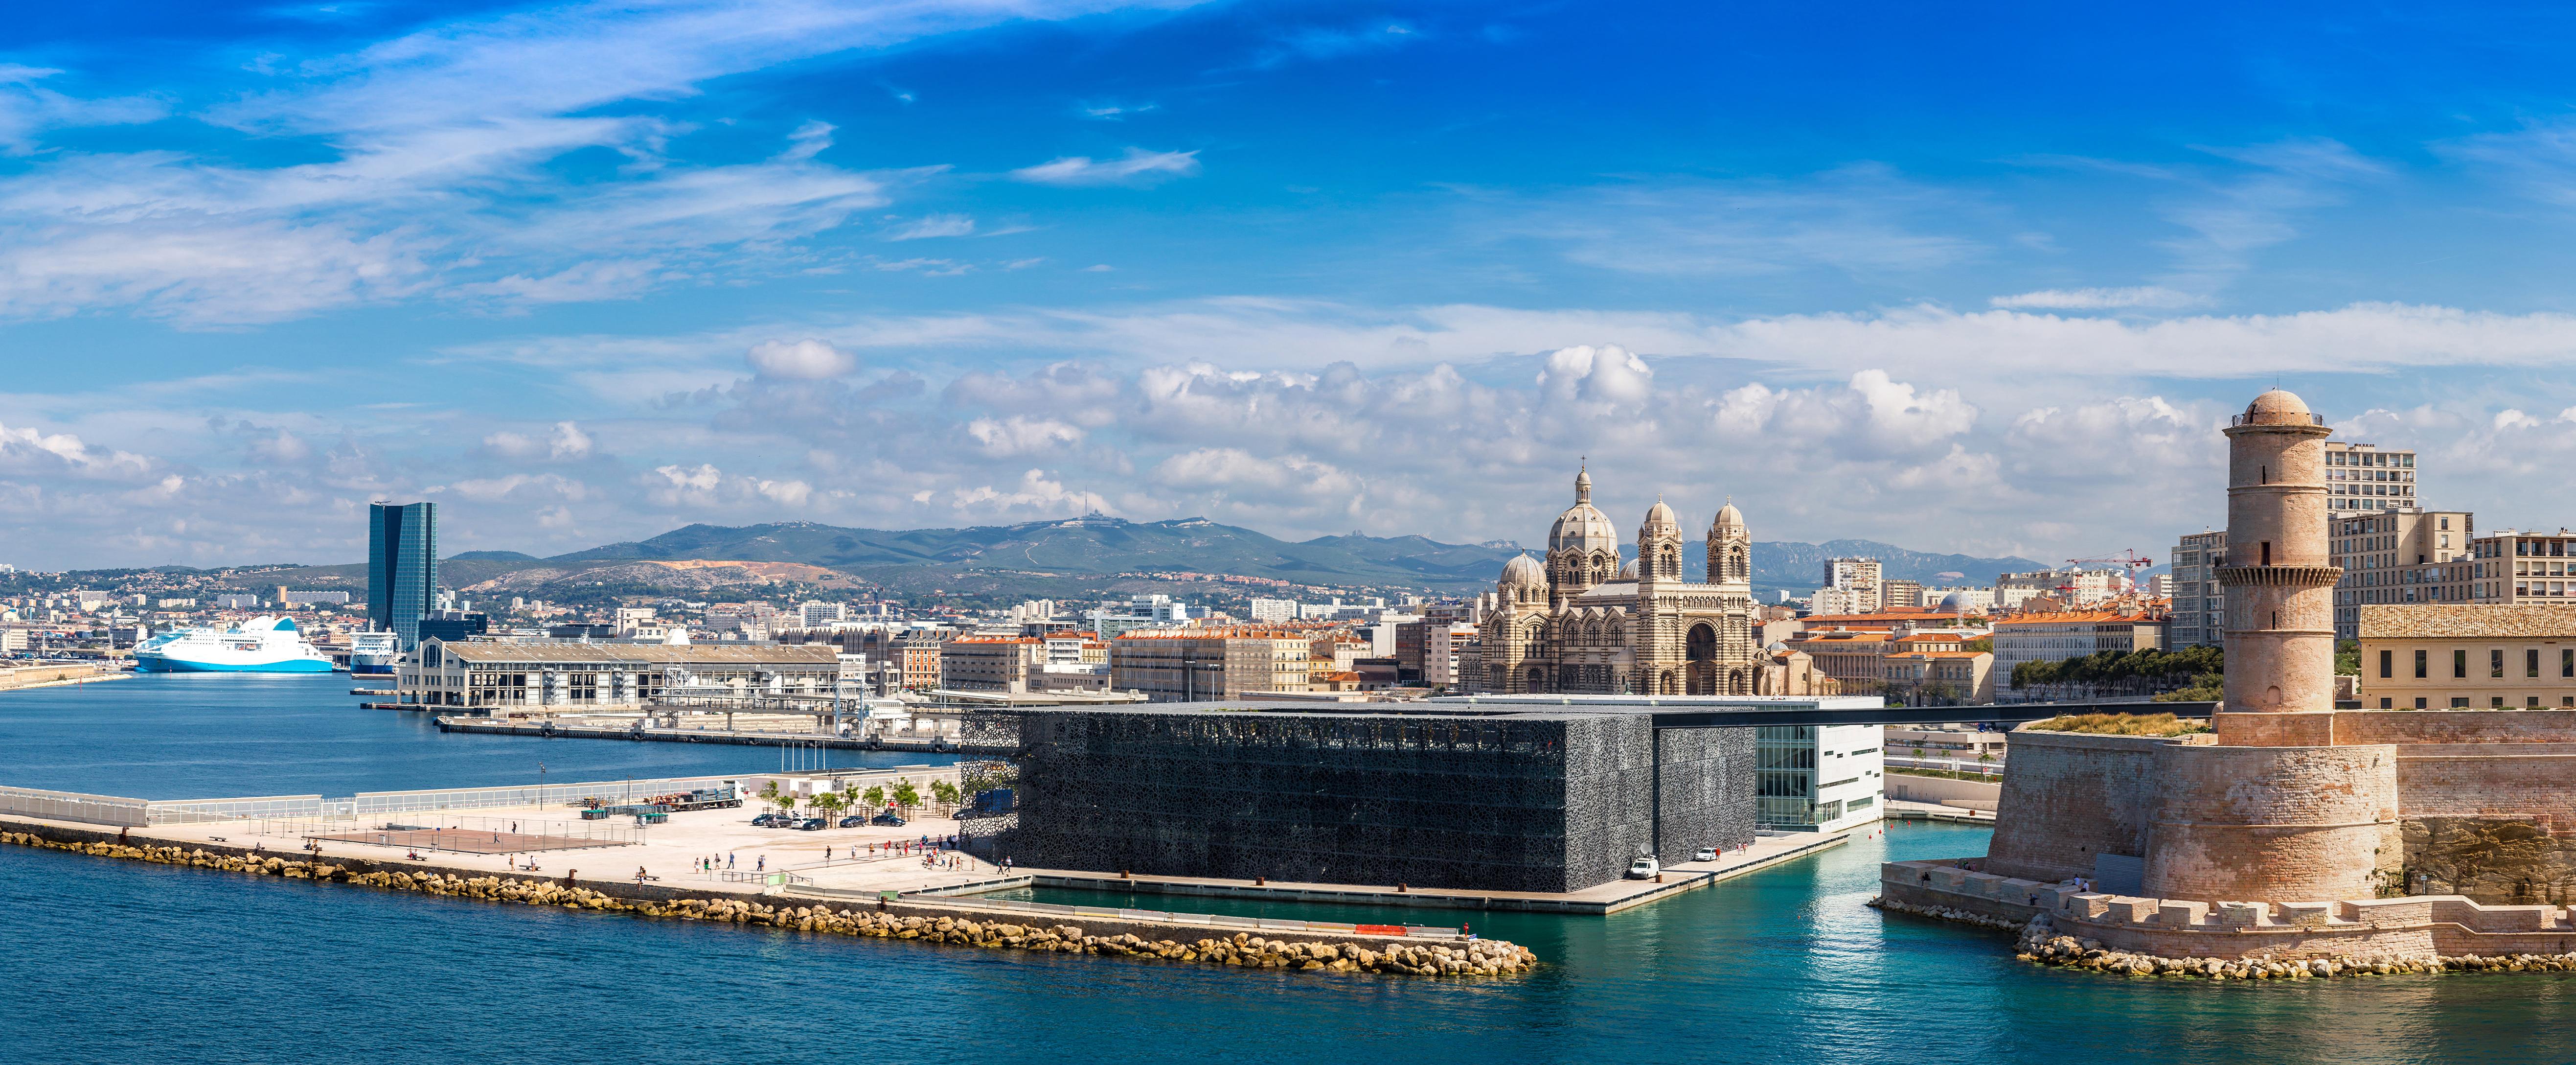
75	806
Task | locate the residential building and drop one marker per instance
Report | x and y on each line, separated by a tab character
1939	678
1849	656
821	615
920	661
1895	592
1859	576
452	625
1447	651
510	674
1841	601
402	568
990	663
2199	604
1189	665
1112	618
2468	656
1818	778
2053	636
287	598
2511	566
2362	478
2398	556
237	601
1274	611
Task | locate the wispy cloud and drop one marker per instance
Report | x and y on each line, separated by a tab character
1137	168
2096	299
937	225
1857	219
437	178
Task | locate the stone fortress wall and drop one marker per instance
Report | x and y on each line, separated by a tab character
2295	830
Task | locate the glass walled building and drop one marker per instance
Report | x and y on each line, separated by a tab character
1818	778
402	568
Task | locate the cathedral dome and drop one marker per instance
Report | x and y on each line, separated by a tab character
1954	603
1583	527
1628	571
1523	572
1727	517
1659	519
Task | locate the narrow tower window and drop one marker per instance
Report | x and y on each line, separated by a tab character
2267	552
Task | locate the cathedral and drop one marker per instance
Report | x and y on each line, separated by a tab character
1584	623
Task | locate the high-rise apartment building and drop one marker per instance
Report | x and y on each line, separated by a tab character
402	567
2362	478
2398	556
2199	605
2513	566
1895	593
1859	576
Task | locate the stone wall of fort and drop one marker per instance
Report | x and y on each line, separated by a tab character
2069	798
2273	822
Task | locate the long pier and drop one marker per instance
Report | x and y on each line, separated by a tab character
552	730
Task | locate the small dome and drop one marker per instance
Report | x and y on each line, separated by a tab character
1778	647
1727	517
1628	570
1659	518
1523	572
2278	407
1954	602
1583	485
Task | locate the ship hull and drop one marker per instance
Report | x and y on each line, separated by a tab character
160	664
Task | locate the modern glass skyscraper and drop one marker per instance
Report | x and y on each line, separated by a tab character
402	567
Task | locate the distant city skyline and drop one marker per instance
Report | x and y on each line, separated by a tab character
1962	281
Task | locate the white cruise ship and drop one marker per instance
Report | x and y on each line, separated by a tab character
260	645
373	653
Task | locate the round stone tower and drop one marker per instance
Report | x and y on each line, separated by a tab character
2275	810
2279	575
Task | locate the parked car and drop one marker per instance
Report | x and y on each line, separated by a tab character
1644	868
854	820
887	819
765	821
1704	854
813	824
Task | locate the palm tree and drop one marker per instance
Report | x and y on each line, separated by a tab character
769	795
1985	762
906	796
875	795
829	803
787	804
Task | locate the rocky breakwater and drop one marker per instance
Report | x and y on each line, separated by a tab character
2040	944
1464	958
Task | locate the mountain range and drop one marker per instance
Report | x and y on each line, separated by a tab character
1089	551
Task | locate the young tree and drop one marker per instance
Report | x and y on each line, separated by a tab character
875	795
943	791
829	803
906	795
769	795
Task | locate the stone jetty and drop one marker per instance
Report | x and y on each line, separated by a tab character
2040	944
926	922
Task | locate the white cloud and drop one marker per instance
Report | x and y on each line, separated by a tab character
937	225
1037	494
2096	299
1138	168
28	108
1022	436
804	360
568	442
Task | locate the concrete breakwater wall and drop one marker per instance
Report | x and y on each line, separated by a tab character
888	920
2041	944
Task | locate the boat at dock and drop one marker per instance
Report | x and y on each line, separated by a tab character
373	653
259	645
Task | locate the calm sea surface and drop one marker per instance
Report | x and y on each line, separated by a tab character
115	962
219	735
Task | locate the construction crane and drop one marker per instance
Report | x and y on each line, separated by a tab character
2136	562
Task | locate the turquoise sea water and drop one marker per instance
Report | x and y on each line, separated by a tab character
115	962
219	735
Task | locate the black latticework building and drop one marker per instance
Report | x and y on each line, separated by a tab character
1501	801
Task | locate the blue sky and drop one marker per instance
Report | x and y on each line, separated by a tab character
1978	278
